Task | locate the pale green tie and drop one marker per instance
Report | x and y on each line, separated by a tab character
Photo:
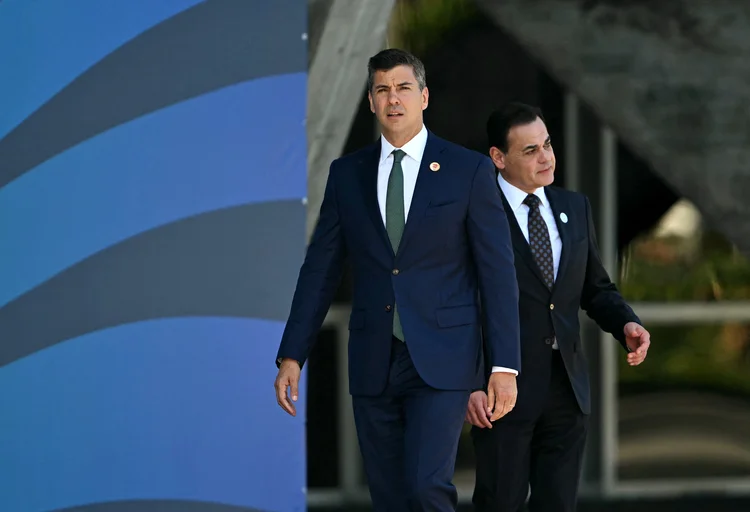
395	219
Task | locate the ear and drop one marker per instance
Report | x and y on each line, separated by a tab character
372	105
425	97
498	157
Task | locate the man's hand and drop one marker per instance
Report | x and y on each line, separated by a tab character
637	340
477	413
501	394
288	376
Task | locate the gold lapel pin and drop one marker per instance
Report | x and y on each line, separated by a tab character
434	166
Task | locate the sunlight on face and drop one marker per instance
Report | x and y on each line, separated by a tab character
529	163
397	102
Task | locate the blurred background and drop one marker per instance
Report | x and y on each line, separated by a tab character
646	104
161	162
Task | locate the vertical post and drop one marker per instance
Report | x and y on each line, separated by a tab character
608	248
349	463
571	135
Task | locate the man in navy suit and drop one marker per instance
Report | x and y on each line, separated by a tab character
559	271
422	225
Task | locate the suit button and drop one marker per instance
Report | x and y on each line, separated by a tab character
395	271
548	341
552	306
388	307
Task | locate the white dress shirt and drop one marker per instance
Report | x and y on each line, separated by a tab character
515	197
414	150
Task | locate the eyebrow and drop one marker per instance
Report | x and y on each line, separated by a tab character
534	146
385	86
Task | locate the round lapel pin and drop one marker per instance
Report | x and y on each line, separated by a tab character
564	218
434	166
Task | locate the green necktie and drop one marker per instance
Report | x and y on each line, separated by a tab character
395	219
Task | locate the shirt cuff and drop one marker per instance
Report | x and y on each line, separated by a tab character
496	369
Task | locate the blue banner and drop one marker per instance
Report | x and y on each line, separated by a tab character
152	172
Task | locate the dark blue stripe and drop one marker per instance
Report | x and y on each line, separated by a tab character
45	45
205	154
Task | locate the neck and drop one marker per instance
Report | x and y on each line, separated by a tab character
398	140
518	185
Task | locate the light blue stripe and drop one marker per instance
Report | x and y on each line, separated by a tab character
222	149
166	409
46	44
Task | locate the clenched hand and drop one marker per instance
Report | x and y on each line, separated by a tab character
477	413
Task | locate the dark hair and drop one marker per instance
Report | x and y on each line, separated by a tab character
389	59
506	117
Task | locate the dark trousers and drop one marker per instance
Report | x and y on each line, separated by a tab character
408	437
545	452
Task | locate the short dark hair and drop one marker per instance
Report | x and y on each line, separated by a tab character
506	117
389	59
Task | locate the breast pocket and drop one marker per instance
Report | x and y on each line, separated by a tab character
443	207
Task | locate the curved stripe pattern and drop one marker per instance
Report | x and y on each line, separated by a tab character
169	63
175	409
157	506
223	263
219	150
45	45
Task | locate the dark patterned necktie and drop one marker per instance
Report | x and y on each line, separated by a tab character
541	247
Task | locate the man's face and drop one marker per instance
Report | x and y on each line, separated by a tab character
397	102
529	163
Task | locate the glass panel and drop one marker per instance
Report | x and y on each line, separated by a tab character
680	260
685	412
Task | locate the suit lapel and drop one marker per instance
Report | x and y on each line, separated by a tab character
369	177
520	245
559	205
426	180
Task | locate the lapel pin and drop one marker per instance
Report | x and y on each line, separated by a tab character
564	218
434	166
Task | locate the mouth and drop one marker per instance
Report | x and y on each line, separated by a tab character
548	169
393	115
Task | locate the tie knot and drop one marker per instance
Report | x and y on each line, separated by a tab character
532	201
398	155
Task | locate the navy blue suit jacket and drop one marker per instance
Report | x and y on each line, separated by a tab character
455	254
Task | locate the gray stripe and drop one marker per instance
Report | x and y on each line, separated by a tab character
232	262
212	45
157	506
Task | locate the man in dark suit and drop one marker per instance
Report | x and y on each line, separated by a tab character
422	225
541	441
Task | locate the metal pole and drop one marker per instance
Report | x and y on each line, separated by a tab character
608	248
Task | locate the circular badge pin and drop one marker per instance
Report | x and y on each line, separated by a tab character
434	166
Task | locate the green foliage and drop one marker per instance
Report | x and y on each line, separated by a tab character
714	357
660	270
418	24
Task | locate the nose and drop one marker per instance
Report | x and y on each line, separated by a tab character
393	98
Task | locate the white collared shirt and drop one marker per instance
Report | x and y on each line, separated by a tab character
414	150
515	197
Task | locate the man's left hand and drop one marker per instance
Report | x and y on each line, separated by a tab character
637	340
501	394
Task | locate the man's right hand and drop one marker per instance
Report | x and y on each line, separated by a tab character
288	377
477	413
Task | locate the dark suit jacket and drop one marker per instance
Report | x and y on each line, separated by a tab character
582	282
455	251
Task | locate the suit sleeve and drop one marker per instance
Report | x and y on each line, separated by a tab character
492	249
319	278
600	298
